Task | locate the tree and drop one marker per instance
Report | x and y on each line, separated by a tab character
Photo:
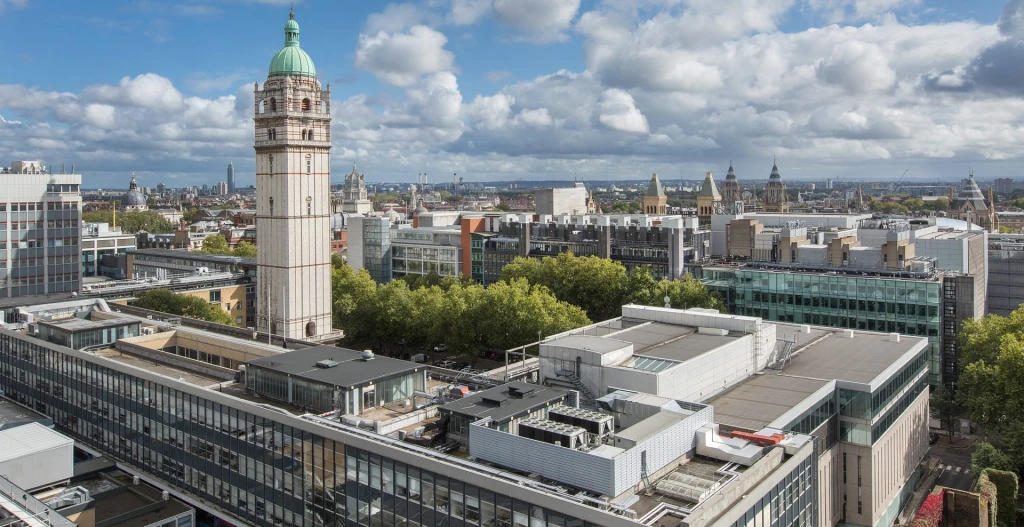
189	214
914	204
947	408
987	456
216	244
166	301
992	364
1003	229
937	204
602	286
132	221
502	207
244	249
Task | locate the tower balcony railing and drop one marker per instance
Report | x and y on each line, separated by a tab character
310	114
296	142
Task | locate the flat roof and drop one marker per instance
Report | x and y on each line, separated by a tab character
761	399
499	404
588	342
13	414
819	357
671	341
158	368
827	354
28	439
75	324
350	371
194	255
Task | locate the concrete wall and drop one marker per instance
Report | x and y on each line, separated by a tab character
607	476
895	456
554	201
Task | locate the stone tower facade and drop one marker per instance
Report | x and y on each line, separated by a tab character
293	174
775	198
354	198
709	200
731	192
655	201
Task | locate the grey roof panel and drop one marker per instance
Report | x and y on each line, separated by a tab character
482	404
351	370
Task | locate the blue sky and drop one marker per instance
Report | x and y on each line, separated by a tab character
533	89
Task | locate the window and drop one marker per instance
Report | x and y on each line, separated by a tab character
303	135
309	205
311	135
270	164
271	206
214	296
273	104
305	105
309	165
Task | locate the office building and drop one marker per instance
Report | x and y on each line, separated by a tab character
353	194
555	201
747	449
662	243
1003	185
40	231
851	271
231	178
369	246
99	240
222	188
1005	273
293	183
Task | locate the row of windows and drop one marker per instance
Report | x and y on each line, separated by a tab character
263	471
790	502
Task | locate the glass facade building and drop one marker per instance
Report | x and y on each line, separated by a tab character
850	301
258	465
40	231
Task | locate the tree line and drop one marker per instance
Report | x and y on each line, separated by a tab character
218	244
131	221
534	297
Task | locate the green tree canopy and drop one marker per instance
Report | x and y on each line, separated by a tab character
166	301
601	286
990	387
464	316
244	249
131	222
216	244
987	456
937	204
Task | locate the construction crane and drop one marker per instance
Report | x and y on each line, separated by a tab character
894	185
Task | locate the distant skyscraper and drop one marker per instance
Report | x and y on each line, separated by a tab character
47	259
222	188
293	183
231	178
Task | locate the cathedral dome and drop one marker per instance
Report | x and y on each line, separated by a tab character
133	197
291	60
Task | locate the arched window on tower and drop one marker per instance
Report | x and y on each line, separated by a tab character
303	135
309	164
311	135
273	104
261	106
309	205
270	166
305	105
271	206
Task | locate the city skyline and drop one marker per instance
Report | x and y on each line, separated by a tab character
507	90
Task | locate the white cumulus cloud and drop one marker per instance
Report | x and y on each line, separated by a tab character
403	58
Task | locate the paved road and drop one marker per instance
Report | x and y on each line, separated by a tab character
954	463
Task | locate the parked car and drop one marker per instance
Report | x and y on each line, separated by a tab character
440	348
444	363
421	358
933	438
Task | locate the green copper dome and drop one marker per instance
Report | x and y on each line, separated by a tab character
291	60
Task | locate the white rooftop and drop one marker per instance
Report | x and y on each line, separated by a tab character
28	439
